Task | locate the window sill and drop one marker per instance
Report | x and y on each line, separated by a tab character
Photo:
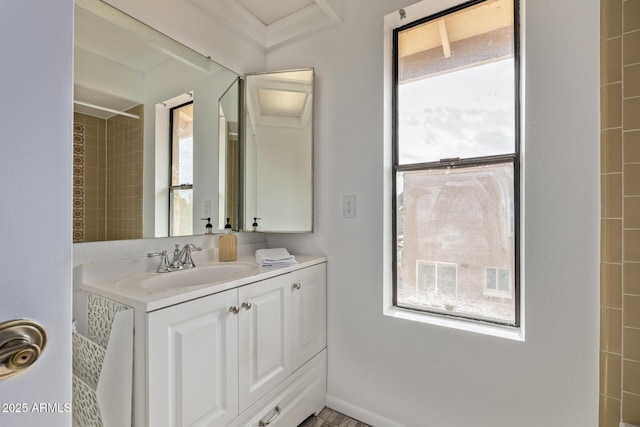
515	334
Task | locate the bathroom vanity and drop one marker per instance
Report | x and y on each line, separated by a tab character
223	344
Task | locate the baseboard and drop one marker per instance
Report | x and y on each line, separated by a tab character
360	414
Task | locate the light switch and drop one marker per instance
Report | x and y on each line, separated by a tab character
349	206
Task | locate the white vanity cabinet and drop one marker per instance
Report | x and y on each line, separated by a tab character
192	363
248	356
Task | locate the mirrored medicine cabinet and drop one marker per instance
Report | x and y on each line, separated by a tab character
164	136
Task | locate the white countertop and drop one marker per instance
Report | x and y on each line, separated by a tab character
117	281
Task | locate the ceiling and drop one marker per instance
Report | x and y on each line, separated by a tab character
273	23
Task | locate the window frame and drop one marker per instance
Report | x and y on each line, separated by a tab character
172	188
514	158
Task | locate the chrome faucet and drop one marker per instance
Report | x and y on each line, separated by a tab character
184	255
181	258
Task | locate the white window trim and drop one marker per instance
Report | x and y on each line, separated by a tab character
391	21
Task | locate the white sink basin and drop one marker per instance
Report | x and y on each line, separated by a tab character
198	276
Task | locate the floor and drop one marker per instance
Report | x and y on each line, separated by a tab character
330	418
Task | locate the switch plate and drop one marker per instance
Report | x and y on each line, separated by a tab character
349	206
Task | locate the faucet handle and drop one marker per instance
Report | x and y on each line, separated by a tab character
187	261
164	261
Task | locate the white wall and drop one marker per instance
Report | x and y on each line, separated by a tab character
36	41
388	371
283	178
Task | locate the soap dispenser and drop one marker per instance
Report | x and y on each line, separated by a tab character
228	244
208	229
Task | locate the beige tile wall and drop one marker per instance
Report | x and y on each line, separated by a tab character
124	176
107	177
620	250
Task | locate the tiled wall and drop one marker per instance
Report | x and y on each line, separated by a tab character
620	251
107	177
89	162
124	176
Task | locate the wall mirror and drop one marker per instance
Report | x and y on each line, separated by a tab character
277	154
146	129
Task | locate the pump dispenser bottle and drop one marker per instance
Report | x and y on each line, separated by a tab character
228	244
208	229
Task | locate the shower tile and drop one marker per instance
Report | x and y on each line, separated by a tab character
630	408
631	48
611	240
611	19
609	412
611	153
631	311
611	285
612	195
632	147
610	374
611	331
611	61
632	179
611	112
631	80
631	119
631	344
90	120
631	218
631	382
631	19
631	278
631	250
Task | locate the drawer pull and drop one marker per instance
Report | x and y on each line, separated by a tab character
246	305
297	286
270	420
234	309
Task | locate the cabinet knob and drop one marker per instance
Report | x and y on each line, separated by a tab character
234	309
246	305
297	286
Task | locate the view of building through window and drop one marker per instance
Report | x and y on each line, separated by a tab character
181	189
455	165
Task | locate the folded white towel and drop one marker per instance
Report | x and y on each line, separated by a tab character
277	257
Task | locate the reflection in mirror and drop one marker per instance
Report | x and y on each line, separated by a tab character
132	178
229	202
278	152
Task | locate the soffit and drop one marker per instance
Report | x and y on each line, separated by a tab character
458	26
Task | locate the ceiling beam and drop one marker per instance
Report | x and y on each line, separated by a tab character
444	38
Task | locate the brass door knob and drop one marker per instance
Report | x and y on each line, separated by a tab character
21	343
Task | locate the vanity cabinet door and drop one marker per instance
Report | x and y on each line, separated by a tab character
192	363
264	337
308	313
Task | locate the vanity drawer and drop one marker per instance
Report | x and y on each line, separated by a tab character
302	394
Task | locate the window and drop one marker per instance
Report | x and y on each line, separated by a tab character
436	278
456	163
498	282
181	185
